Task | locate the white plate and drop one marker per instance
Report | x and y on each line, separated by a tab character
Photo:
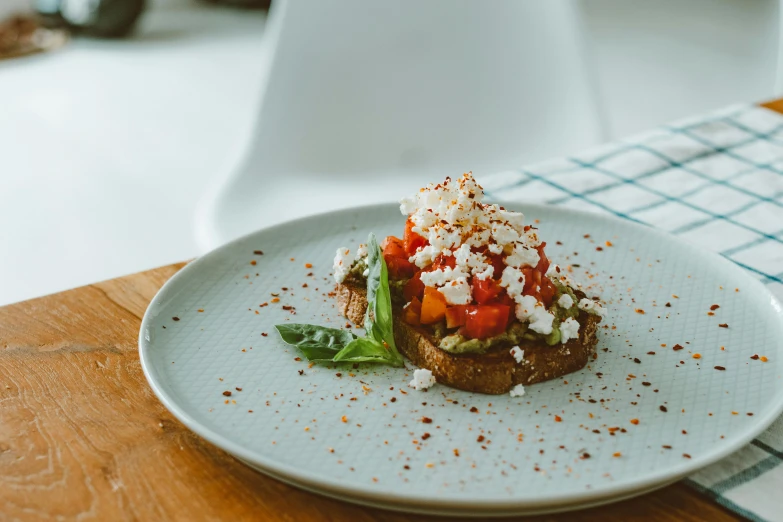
529	461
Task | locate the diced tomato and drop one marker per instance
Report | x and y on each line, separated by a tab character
442	262
397	259
484	321
497	264
414	287
412	312
412	241
394	247
548	290
543	261
456	315
485	290
530	280
433	307
399	268
505	299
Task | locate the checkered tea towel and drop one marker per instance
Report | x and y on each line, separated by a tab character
714	180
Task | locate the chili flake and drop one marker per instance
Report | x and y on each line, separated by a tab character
639	311
755	357
258	252
426	420
473	409
275	299
714	307
480	438
677	347
635	421
723	325
720	368
697	356
763	359
344	418
558	418
227	393
253	262
308	265
617	454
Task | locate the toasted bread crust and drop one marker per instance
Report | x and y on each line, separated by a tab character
494	372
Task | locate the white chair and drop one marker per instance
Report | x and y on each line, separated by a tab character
364	101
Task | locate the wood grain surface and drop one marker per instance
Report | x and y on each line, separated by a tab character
82	437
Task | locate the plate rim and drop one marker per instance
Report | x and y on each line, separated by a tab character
366	494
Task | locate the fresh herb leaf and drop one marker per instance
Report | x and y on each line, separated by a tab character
318	343
379	323
364	349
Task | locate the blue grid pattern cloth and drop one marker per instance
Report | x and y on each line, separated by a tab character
714	180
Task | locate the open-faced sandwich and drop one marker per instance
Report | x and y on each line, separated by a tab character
475	299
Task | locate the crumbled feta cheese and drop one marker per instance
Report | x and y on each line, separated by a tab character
474	262
517	354
361	252
342	264
528	309
457	292
569	329
565	302
408	205
442	276
590	306
494	248
513	280
522	256
504	233
487	273
553	270
422	379
517	391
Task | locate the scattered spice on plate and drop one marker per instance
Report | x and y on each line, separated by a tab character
617	454
426	420
666	446
425	436
686	455
480	438
608	243
175	318
697	356
723	325
677	347
275	299
227	393
308	265
663	408
473	409
344	418
258	252
720	368
755	357
763	359
646	383
253	262
635	421
714	307
639	311
456	452
637	361
558	418
668	305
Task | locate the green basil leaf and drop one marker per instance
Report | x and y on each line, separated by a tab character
378	318
364	349
318	343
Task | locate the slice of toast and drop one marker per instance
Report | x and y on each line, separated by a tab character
493	372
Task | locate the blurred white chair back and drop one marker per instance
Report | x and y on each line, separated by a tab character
367	101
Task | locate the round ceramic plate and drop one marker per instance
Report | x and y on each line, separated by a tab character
688	369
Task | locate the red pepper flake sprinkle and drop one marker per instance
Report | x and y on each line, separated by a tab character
635	421
666	446
697	356
617	455
763	359
394	399
668	305
308	265
677	347
304	285
275	299
686	455
473	409
456	452
175	318
227	393
292	259
723	325
200	310
425	436
663	408
587	236
639	311
637	361
714	307
297	359
253	262
720	368
258	252
344	418
585	456
558	418
755	357
599	249
646	383
426	420
238	388
480	438
609	243
264	334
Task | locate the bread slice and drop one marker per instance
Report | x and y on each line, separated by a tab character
494	372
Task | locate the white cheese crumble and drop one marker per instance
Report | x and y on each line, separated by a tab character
422	379
517	354
361	252
517	391
565	302
457	292
513	280
569	329
342	264
530	310
588	305
523	255
441	277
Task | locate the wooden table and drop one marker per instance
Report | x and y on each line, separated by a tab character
82	435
